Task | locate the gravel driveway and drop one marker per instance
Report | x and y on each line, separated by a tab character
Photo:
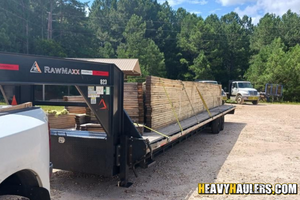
260	144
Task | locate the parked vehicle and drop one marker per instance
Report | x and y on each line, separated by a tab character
24	152
243	91
224	95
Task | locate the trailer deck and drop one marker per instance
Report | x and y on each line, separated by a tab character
173	131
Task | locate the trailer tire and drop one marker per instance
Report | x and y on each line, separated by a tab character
215	126
222	119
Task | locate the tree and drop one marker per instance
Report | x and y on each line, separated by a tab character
289	29
265	32
201	67
276	64
237	53
71	29
137	46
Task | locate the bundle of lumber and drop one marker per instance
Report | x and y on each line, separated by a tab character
73	98
61	121
133	101
167	100
75	109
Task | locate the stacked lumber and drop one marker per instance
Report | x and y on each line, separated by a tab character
184	99
134	102
80	119
73	98
90	116
91	127
76	109
61	121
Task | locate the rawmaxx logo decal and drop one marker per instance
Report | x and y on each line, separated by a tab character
35	68
61	70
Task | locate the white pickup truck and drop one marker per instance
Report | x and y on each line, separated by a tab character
24	152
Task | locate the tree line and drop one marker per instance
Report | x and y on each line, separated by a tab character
169	43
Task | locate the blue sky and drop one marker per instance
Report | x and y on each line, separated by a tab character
253	8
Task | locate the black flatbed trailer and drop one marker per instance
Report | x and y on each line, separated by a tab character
121	147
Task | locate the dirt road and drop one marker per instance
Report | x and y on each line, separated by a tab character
260	144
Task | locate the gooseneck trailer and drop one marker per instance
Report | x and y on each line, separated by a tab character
120	147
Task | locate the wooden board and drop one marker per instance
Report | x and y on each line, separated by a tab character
16	107
183	100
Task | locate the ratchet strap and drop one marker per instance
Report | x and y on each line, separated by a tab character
174	112
204	103
141	125
189	101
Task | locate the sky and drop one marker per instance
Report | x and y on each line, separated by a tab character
255	9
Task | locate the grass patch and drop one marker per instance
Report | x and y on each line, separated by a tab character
230	101
52	108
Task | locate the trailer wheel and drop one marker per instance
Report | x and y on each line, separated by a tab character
239	99
215	126
255	102
222	119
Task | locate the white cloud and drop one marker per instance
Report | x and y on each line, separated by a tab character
195	12
87	11
215	10
261	7
178	2
233	2
201	2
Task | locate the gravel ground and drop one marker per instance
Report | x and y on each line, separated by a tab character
260	144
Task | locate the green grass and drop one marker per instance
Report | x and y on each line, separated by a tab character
57	108
230	101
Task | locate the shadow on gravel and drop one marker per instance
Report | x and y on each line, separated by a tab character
175	175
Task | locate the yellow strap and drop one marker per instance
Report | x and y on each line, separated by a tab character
174	112
203	102
141	125
189	101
